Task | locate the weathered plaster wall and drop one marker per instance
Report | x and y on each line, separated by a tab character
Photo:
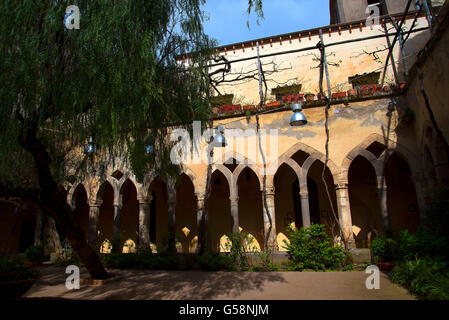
301	68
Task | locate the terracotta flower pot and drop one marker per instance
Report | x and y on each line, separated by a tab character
310	97
385	266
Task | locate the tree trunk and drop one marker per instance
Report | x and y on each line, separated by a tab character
52	200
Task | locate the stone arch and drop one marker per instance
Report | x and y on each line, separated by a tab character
186	213
315	154
403	214
80	204
100	186
192	176
250	206
129	211
252	167
72	192
377	163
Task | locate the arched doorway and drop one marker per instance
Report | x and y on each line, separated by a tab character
219	211
250	208
106	216
158	213
364	201
402	203
287	203
129	216
319	206
186	221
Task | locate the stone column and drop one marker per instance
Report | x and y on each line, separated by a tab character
382	192
235	213
270	239
116	235
144	224
171	203
94	219
344	212
304	195
201	221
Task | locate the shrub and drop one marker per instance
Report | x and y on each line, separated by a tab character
384	248
311	248
143	260
13	270
35	254
208	262
402	246
425	277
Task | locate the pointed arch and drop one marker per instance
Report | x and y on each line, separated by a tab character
315	154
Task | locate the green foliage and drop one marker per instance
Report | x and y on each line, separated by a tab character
143	260
12	270
384	248
402	246
116	79
35	254
311	248
436	218
209	262
425	277
239	245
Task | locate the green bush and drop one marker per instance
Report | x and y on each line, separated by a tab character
208	262
425	277
403	246
35	254
384	248
143	260
311	248
13	270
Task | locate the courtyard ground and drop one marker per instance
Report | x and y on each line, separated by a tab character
139	284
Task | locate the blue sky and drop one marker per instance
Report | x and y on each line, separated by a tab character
228	18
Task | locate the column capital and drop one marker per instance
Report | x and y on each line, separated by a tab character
269	190
341	185
95	203
304	195
234	199
200	196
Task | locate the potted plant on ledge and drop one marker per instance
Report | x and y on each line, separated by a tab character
383	248
15	278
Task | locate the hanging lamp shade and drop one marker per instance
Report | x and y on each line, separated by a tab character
219	139
90	148
298	118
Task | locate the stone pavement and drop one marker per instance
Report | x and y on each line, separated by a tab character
189	285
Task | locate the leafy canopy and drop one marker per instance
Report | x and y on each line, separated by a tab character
116	79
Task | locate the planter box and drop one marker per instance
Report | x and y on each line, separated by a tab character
387	89
293	98
310	97
249	107
352	92
338	95
231	108
273	104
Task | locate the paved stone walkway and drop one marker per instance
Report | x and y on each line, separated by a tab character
136	284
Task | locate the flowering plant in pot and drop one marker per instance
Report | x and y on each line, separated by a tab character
309	96
15	278
384	249
35	255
